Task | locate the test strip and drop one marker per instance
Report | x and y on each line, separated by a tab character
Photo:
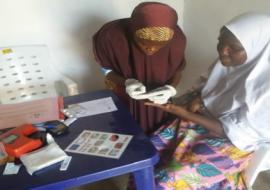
69	121
65	164
66	113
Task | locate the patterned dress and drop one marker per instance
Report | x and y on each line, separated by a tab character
192	159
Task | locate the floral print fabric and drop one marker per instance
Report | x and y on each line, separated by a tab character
192	159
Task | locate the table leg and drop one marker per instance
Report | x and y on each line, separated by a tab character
144	179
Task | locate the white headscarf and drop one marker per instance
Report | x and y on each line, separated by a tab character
244	90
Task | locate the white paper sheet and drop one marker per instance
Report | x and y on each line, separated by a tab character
93	107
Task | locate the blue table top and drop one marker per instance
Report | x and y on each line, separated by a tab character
140	153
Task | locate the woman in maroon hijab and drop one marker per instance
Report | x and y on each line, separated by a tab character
148	47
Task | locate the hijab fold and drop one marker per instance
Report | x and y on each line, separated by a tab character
247	83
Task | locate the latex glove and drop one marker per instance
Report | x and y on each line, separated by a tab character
162	94
134	88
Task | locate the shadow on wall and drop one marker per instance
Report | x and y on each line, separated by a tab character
92	78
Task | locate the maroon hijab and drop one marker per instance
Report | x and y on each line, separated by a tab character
114	48
153	14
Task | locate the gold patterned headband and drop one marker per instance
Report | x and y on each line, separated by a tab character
155	33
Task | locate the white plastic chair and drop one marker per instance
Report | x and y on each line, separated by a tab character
259	162
26	73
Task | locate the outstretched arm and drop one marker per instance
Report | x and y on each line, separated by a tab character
112	80
213	125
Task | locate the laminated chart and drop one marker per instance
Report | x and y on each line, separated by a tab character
96	143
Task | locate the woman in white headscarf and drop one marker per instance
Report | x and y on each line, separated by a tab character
215	142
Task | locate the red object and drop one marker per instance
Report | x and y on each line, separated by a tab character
17	142
61	106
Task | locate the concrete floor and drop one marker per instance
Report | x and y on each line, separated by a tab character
119	183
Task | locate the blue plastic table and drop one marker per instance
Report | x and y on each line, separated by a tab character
139	157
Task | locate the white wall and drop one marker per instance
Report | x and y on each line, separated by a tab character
66	26
202	21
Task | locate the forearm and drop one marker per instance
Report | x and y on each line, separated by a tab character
115	78
113	81
213	125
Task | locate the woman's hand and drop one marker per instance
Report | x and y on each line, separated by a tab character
171	108
212	124
113	80
191	101
195	104
110	84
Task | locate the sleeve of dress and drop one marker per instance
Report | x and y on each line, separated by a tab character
241	129
102	49
105	71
